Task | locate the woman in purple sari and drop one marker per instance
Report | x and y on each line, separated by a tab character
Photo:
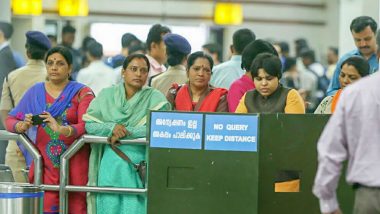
60	104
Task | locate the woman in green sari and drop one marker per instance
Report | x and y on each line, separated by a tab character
120	112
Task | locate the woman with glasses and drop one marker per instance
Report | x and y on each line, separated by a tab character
197	94
120	112
51	113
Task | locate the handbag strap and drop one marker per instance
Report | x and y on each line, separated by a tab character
123	156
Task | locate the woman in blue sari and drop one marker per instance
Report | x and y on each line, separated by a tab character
120	112
60	104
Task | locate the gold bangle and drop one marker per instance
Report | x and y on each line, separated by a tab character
70	131
17	126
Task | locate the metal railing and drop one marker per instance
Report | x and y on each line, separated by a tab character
29	146
64	188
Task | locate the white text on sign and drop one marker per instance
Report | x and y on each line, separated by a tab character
231	127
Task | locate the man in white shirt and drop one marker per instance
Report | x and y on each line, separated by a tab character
353	134
226	73
156	50
97	75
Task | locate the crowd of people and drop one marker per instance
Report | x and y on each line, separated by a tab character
62	93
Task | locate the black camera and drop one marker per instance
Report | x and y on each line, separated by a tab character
37	120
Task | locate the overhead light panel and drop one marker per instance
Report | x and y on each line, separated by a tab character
27	7
73	7
228	14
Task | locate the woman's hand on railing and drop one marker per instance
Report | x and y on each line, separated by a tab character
118	132
113	141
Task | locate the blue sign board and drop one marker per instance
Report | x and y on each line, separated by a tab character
231	132
176	130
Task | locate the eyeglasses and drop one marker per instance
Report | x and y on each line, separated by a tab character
59	64
134	69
